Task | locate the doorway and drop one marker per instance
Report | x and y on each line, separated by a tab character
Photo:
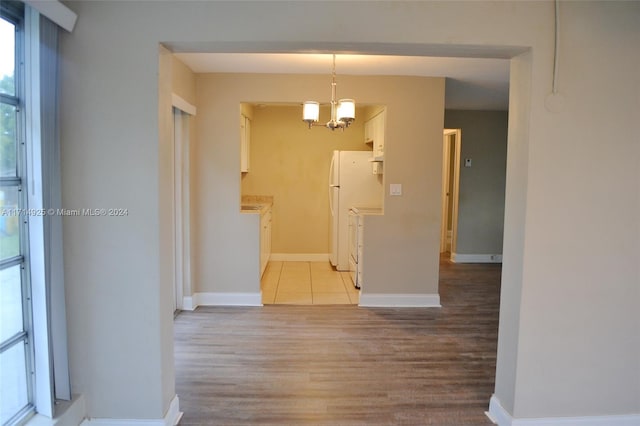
451	145
181	208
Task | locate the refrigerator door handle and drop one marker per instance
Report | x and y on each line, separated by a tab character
333	160
331	184
331	200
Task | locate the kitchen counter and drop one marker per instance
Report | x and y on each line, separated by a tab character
254	208
367	210
256	204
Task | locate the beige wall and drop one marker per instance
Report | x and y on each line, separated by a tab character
415	109
569	318
183	81
291	163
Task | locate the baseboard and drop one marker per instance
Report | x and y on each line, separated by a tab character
299	257
497	414
221	299
171	418
476	258
188	304
399	300
501	417
173	415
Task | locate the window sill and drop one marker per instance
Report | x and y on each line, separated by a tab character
68	413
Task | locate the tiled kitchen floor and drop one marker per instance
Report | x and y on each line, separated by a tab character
307	283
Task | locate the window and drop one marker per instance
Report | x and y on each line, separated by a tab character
16	337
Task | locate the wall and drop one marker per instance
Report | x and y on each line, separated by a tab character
576	293
183	81
568	341
224	235
514	229
291	163
481	200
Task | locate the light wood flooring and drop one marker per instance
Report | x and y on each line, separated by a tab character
307	283
341	364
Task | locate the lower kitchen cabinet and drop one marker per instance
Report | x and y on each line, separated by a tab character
265	239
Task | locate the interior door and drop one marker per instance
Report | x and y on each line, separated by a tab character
451	145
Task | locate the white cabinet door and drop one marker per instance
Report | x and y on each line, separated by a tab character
245	143
378	131
265	240
368	131
374	130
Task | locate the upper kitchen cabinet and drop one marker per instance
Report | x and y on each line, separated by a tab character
374	129
245	143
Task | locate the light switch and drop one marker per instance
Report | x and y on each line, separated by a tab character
395	189
467	162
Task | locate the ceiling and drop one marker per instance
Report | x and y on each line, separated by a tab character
471	83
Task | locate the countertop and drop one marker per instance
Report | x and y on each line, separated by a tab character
367	210
256	204
254	208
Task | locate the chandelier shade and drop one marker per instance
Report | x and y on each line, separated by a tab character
346	110
343	112
311	112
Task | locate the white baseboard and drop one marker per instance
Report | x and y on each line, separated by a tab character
501	417
497	414
188	304
173	415
476	258
299	257
399	300
221	299
171	418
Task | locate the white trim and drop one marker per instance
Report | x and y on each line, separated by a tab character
181	206
171	418
299	257
188	303
497	414
173	414
400	300
37	254
221	299
182	105
476	258
57	12
68	413
501	417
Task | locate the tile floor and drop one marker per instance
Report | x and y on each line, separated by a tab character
307	283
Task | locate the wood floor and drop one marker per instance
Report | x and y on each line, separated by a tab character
344	365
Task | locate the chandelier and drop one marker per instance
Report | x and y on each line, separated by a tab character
343	112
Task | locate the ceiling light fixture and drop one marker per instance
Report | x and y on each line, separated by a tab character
343	112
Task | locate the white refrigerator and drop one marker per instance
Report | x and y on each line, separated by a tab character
351	184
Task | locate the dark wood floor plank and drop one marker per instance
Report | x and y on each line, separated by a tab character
344	365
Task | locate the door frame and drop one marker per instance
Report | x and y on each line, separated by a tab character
182	111
447	175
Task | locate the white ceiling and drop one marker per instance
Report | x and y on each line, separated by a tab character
472	83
